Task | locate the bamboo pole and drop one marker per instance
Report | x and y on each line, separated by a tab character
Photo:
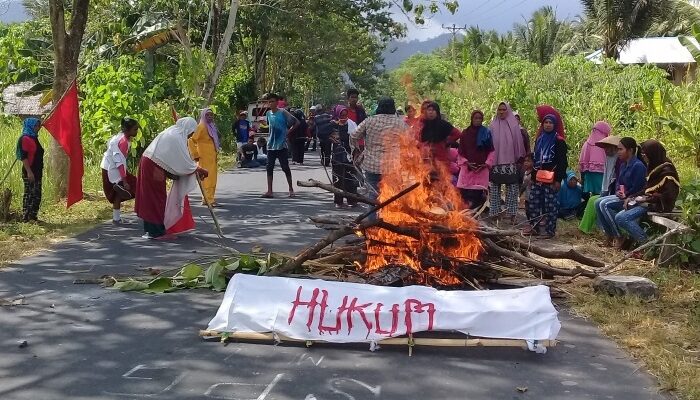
398	341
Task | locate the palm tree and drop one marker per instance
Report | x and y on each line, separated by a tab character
620	21
538	38
678	20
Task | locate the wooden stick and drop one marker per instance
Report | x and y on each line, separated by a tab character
386	202
403	341
335	190
546	268
570	254
211	210
9	170
646	245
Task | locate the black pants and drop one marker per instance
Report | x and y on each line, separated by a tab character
344	179
298	150
31	199
281	155
326	152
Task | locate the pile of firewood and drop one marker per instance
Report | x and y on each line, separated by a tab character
507	259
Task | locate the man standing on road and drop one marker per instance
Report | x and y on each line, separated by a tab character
279	121
323	129
356	112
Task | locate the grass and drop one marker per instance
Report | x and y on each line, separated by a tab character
663	334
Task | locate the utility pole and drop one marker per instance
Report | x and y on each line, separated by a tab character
454	29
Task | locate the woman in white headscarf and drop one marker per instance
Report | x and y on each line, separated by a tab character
167	157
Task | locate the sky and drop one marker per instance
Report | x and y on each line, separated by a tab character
488	14
12	11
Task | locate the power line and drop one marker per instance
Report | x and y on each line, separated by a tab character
454	29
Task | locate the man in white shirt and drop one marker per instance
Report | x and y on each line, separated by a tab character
117	183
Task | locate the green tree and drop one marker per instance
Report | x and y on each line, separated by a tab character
540	37
619	21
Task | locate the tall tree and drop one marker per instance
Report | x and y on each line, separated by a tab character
66	48
620	21
538	39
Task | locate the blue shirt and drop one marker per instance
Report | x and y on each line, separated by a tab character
633	175
242	128
279	123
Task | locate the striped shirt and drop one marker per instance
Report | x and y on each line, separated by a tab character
381	139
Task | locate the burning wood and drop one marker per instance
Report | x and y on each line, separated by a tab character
425	236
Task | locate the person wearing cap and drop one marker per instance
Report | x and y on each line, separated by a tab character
118	184
241	128
610	170
592	160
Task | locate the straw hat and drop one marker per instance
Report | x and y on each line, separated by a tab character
609	141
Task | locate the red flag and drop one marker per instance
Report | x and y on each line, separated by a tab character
64	125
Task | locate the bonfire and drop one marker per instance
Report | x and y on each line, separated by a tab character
425	235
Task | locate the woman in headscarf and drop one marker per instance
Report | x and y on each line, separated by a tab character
411	117
610	171
509	150
592	160
475	160
30	152
550	164
167	156
659	193
297	137
436	133
204	146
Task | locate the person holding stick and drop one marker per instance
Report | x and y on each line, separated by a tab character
31	153
167	157
118	184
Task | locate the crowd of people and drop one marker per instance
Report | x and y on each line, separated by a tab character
495	166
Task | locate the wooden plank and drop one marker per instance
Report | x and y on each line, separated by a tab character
668	223
405	341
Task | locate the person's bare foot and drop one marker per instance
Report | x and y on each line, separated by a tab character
267	195
291	194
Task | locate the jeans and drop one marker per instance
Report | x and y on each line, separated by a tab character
629	221
606	207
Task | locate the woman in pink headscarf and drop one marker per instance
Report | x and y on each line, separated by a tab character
591	163
509	150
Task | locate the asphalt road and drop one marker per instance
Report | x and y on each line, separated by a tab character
86	342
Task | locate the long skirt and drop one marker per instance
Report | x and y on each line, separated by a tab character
32	198
108	187
151	195
592	182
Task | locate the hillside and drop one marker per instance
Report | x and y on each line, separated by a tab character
398	51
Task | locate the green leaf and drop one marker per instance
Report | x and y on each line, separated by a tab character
695	245
159	285
191	271
263	267
214	276
130	285
233	266
658	102
248	263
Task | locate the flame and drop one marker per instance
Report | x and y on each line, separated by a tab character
428	211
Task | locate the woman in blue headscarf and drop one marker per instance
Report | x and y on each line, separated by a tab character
550	165
30	152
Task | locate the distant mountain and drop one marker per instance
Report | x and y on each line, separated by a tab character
12	11
397	51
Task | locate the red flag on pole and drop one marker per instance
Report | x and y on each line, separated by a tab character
64	125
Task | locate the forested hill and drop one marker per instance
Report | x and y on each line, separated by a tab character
397	51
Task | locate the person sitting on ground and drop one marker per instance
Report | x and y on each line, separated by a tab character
248	154
343	171
631	179
550	164
610	172
659	194
280	121
476	157
118	184
571	201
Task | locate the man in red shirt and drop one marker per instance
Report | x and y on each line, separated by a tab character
356	112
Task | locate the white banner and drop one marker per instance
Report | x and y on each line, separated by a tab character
350	312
